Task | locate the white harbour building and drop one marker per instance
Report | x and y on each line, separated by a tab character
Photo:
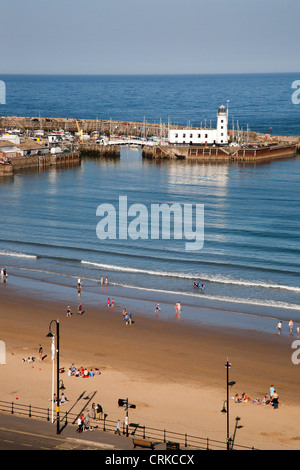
203	136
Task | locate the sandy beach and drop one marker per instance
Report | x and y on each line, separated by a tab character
172	370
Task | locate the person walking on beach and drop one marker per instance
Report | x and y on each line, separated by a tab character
117	431
108	302
157	309
79	283
69	313
291	325
101	280
279	327
106	281
79	311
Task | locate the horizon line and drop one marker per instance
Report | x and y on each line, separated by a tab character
146	74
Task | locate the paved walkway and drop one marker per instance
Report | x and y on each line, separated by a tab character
18	433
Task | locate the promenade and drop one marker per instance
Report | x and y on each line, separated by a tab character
19	433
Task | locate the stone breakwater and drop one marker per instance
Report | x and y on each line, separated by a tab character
116	127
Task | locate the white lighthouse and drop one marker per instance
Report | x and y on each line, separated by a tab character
203	136
222	125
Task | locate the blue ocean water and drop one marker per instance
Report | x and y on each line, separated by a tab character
250	261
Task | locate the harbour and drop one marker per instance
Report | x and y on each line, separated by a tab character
46	142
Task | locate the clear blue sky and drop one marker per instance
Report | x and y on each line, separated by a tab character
155	36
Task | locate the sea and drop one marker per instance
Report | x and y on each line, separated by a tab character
249	263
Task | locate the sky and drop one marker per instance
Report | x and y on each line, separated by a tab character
149	37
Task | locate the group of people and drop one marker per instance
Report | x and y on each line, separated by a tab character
102	281
271	398
80	310
127	317
291	328
3	274
199	286
177	309
110	303
84	420
82	372
63	398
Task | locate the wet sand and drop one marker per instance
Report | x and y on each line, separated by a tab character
173	370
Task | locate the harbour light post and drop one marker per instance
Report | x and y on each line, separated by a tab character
51	335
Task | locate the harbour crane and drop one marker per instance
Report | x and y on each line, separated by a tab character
80	132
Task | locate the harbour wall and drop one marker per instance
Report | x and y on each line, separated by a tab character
215	154
39	162
209	154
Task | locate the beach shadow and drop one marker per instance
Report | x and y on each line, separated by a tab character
88	399
64	419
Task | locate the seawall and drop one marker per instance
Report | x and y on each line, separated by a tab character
39	162
215	154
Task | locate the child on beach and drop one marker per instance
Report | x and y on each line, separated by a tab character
279	327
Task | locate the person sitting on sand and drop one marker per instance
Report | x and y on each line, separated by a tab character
237	399
245	398
63	398
274	400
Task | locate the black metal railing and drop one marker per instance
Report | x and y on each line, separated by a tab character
160	436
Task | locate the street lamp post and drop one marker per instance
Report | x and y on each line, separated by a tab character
50	335
226	410
124	402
